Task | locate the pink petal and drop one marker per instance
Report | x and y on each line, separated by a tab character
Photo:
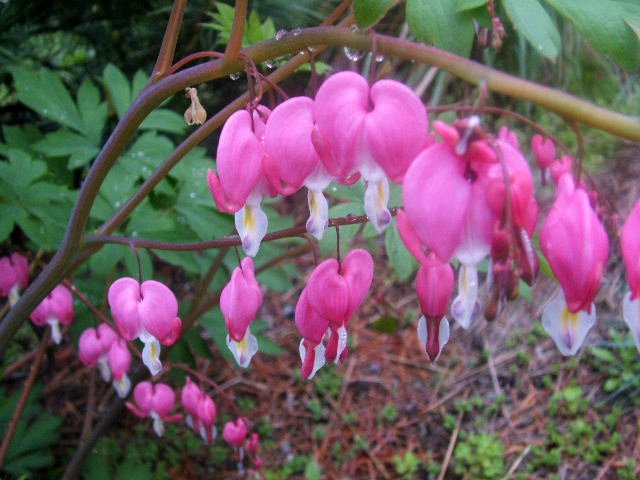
310	325
123	297
339	109
235	431
191	396
357	271
119	358
630	243
158	310
143	395
396	128
163	399
89	347
434	284
292	156
328	292
410	237
240	300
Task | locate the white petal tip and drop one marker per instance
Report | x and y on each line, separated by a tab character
568	330
244	350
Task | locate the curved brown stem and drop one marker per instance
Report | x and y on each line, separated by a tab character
168	47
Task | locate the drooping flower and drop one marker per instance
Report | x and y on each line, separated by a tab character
434	284
93	348
195	114
201	411
191	396
235	431
291	160
348	283
154	401
240	301
207	416
446	201
312	327
576	245
55	309
240	184
148	311
14	275
509	136
119	363
545	152
630	243
375	131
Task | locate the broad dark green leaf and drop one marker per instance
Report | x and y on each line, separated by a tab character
369	12
533	21
438	23
44	92
164	120
386	324
603	24
92	110
462	5
118	88
65	143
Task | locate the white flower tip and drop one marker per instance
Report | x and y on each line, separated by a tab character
376	197
14	296
567	329
158	424
319	359
318	214
122	386
631	315
56	334
151	356
251	225
244	350
443	336
103	368
342	343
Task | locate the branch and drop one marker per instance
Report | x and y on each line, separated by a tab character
168	47
237	31
230	241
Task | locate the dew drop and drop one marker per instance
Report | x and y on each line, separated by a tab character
235	76
271	63
192	195
117	204
280	34
296	31
353	55
380	58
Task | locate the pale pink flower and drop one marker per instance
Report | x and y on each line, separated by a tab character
55	309
14	275
154	401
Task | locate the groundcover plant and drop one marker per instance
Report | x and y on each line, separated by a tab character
323	163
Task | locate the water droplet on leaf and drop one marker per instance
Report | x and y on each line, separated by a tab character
235	76
280	34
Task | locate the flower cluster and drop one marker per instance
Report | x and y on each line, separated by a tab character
201	411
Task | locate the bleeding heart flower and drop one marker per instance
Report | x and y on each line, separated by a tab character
240	184
240	301
312	327
576	245
375	131
14	275
119	363
291	160
545	152
191	396
434	284
148	311
630	243
207	415
93	348
155	401
55	309
236	431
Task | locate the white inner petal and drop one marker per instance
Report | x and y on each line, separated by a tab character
376	198
244	350
56	334
465	306
122	386
342	343
567	329
103	368
631	315
151	356
158	424
318	213
14	295
251	225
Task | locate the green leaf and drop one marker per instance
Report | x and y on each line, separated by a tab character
44	92
437	22
462	5
533	21
164	120
370	12
603	354
386	324
400	259
65	143
213	322
21	169
21	137
118	88
603	24
92	110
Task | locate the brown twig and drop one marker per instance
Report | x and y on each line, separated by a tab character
168	47
237	31
91	403
452	444
24	396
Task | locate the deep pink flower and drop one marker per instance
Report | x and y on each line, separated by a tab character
446	202
545	152
93	348
148	311
375	131
207	416
14	275
236	431
434	284
240	301
55	309
630	243
291	160
509	136
191	396
119	363
576	245
560	167
155	401
348	283
240	184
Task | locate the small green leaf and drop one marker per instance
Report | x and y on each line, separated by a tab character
603	24
65	143
530	18
437	22
118	88
164	120
462	5
92	110
400	259
603	354
370	12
